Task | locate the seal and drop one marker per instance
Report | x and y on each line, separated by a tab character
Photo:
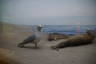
76	40
57	36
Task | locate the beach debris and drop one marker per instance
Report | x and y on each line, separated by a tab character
76	40
57	36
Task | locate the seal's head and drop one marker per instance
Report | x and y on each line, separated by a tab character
91	33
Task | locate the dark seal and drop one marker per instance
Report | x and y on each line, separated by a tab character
57	36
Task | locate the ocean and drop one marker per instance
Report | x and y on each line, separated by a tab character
68	29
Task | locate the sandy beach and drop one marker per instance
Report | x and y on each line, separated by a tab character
68	27
44	54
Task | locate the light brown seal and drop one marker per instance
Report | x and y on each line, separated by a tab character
77	40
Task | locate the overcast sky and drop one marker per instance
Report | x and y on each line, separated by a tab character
30	12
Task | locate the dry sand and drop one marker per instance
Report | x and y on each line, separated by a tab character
44	54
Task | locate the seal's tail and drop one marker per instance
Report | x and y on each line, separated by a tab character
20	45
54	48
